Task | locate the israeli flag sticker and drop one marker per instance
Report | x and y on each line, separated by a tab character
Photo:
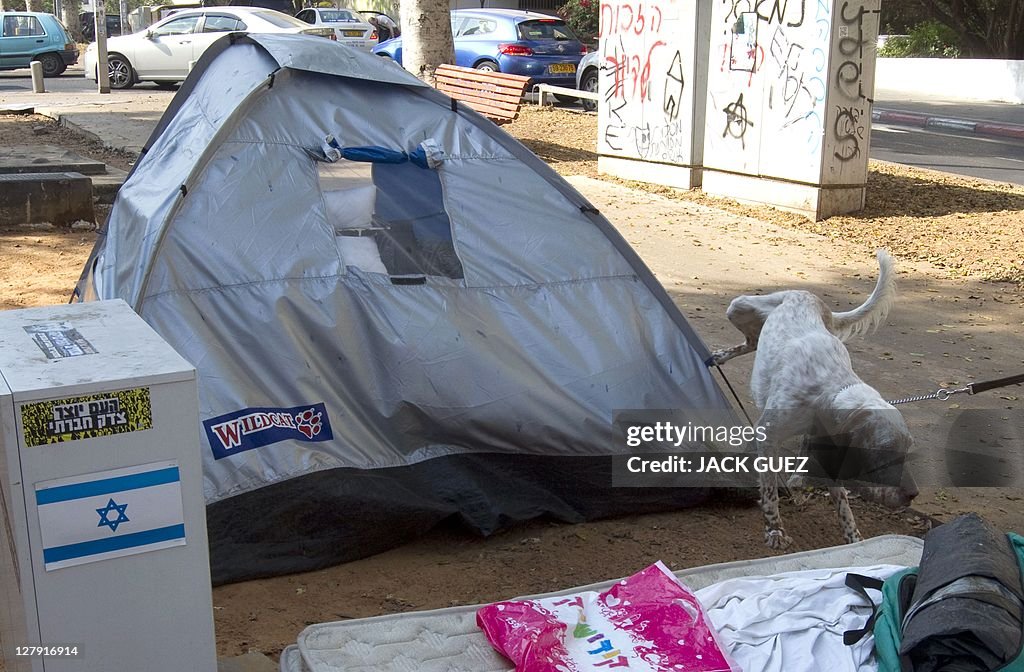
110	514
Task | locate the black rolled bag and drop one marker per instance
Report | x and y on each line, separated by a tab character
962	610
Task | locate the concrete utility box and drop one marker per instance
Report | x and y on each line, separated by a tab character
104	532
652	74
788	118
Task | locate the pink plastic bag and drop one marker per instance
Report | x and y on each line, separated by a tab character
648	622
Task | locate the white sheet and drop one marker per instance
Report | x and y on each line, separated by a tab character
350	208
361	252
794	622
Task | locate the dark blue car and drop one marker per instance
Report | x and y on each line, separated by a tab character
517	42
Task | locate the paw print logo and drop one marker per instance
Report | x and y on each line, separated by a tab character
308	422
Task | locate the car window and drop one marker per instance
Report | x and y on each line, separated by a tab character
545	29
474	26
219	23
22	26
180	26
306	16
457	21
336	15
279	20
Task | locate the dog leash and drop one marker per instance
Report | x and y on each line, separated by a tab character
734	395
943	393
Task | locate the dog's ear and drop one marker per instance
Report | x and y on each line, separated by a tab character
851	424
882	428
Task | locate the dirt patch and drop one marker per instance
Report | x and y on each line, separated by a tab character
40	267
959	224
29	129
449	567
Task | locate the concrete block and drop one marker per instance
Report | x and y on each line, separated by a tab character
46	159
57	198
811	201
682	177
106	186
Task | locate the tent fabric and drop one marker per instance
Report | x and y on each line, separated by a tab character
408	357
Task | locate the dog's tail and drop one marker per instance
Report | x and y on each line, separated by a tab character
866	318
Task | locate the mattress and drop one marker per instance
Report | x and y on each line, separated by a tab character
448	640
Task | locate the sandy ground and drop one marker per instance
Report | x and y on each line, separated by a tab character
953	324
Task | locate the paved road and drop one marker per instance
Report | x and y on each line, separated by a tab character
71	81
1000	159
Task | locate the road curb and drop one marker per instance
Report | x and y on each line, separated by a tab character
1002	130
62	120
904	118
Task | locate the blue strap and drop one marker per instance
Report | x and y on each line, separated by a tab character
374	155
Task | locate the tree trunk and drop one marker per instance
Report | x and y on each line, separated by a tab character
70	9
987	28
33	5
426	37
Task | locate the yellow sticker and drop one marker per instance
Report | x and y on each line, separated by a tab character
87	416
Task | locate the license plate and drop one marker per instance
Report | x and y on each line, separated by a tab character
353	33
562	68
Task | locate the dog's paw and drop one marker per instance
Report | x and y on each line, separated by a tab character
777	540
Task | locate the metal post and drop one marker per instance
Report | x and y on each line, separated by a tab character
102	64
37	77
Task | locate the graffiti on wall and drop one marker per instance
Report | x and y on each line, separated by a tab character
643	83
849	128
789	82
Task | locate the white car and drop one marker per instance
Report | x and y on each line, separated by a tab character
349	27
164	52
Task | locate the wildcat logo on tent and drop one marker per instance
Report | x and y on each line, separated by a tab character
252	428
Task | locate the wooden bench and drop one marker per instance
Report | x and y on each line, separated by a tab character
495	95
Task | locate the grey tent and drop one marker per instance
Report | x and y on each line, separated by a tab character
398	313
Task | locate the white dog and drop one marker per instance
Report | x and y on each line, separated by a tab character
804	384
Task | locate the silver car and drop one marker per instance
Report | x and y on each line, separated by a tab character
349	28
163	52
586	79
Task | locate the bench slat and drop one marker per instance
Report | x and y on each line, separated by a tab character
483	76
491	86
495	95
490	111
458	88
488	83
456	91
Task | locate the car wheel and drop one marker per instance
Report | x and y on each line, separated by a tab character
53	65
589	83
487	66
122	75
